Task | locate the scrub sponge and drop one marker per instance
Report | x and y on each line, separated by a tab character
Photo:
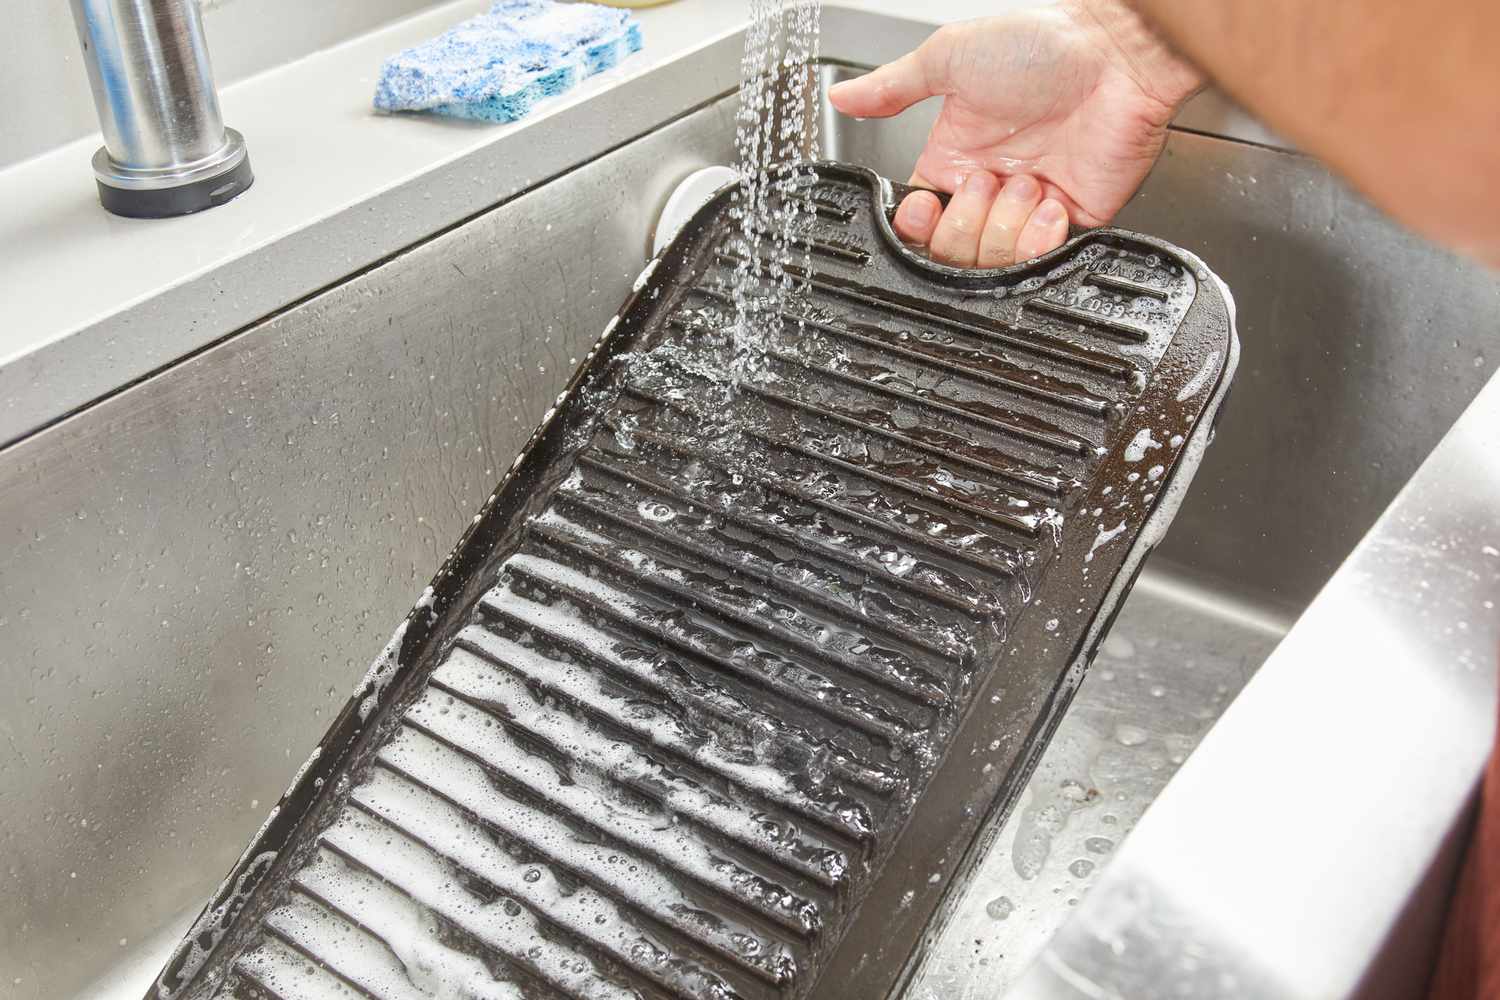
494	67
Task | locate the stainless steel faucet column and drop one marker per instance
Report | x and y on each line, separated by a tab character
166	150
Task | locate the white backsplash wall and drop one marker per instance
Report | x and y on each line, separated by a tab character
47	88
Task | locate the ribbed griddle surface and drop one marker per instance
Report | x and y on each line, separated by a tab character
719	691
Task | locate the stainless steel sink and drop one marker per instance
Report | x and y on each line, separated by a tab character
198	568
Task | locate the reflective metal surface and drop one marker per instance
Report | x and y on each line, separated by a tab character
249	36
148	64
153	86
1307	848
198	571
166	532
1175	657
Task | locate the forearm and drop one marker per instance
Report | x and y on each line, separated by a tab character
1399	97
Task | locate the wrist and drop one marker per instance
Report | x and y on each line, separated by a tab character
1138	50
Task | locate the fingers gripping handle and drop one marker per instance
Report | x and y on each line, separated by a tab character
899	193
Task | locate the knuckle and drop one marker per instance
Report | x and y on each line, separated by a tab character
944	251
942	38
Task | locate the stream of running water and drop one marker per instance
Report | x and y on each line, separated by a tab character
776	139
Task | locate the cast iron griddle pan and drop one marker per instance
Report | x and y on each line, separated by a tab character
723	690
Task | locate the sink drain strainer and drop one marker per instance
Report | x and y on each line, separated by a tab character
720	692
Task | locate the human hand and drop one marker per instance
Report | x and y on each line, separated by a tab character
1049	115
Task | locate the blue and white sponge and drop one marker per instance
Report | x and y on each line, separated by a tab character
494	67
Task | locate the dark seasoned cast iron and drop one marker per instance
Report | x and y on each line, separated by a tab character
719	695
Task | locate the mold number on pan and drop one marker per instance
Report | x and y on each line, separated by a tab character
1108	306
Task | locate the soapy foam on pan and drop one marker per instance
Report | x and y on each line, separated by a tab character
620	761
586	794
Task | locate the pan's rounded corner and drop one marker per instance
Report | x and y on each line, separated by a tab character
1222	306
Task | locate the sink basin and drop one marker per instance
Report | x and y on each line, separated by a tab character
199	567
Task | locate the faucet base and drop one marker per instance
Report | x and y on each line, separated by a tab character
139	194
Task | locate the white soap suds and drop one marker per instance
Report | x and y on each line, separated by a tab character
1140	444
307	764
620	760
1105	536
659	729
434	884
586	795
402	960
203	937
428	598
634	878
380	673
1210	365
645	275
279	968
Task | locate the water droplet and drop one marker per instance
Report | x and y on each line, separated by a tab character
1098	845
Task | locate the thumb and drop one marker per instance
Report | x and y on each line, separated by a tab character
886	91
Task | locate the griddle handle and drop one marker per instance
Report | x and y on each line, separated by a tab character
900	191
898	194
